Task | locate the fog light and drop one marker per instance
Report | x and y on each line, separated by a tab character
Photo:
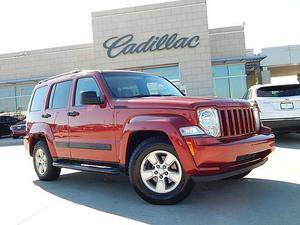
190	131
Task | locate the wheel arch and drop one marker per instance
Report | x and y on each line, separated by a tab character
141	128
41	132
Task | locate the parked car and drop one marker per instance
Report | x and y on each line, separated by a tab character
279	105
5	123
18	130
141	125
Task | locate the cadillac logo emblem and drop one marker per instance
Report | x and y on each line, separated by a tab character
126	45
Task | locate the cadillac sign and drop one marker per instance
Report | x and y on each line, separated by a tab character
126	45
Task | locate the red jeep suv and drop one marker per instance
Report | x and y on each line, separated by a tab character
138	124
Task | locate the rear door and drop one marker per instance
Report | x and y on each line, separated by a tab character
92	129
282	101
56	115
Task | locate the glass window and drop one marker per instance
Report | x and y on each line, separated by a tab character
169	72
221	87
236	69
15	98
60	95
85	84
279	91
130	85
238	86
24	90
220	71
39	98
230	80
7	92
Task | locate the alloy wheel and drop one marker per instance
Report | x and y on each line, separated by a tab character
161	171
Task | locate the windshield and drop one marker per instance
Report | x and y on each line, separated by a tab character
279	91
134	85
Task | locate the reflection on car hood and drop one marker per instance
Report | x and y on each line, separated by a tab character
178	102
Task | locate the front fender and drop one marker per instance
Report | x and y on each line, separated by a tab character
170	126
38	130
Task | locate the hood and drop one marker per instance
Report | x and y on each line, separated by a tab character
179	102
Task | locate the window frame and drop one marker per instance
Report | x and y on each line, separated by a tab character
50	94
33	95
114	98
75	90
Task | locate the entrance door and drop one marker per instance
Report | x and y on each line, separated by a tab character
92	134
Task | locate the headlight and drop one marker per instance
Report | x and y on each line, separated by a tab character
209	121
257	118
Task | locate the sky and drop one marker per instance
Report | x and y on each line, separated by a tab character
37	24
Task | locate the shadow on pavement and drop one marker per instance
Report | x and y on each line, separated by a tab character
246	201
9	141
291	140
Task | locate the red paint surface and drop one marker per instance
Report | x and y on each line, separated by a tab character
116	120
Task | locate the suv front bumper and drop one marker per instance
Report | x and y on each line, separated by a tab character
217	159
229	173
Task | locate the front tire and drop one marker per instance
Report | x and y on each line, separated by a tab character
42	162
156	173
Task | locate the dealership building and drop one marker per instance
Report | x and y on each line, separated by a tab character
169	39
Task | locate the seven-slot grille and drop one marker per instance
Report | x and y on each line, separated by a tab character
236	121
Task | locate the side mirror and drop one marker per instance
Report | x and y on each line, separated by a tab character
90	98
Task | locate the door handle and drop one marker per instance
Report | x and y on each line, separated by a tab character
74	113
47	115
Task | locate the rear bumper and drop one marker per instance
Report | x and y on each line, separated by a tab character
221	158
16	133
229	174
283	125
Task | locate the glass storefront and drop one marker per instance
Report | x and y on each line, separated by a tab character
15	98
169	72
230	80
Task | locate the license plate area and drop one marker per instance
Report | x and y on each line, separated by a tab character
286	105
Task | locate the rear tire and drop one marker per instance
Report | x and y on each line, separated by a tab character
42	162
240	176
156	173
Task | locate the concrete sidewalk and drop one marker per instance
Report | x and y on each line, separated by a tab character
269	195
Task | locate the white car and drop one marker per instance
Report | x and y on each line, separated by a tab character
279	105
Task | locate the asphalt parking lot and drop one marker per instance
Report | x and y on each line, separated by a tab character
270	195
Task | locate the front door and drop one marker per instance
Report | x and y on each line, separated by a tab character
91	126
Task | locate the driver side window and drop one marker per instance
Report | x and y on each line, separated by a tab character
85	84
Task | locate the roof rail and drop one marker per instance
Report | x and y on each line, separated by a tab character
59	75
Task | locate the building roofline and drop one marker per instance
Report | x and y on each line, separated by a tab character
142	8
246	58
45	50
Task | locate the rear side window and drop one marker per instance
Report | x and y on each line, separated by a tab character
38	99
85	84
279	91
60	95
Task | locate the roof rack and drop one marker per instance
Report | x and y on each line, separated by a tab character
59	75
